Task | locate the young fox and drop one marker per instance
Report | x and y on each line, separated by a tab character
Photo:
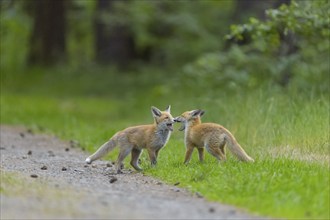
213	136
152	137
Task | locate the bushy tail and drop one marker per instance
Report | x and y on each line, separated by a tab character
103	150
236	149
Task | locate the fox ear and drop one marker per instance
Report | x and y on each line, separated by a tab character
155	111
168	109
197	112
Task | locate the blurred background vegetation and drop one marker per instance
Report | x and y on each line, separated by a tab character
284	43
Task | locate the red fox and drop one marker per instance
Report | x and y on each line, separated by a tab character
152	137
212	136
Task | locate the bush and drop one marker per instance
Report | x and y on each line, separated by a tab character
290	48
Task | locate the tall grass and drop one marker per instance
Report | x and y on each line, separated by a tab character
285	131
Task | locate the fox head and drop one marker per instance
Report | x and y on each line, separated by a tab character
189	117
163	119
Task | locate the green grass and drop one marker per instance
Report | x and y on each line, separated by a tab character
285	131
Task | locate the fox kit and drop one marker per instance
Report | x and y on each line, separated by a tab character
152	137
212	136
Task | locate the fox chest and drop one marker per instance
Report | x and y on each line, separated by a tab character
160	139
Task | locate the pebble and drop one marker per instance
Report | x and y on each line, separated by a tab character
74	143
24	157
109	165
43	168
22	135
113	179
177	183
211	210
199	195
29	152
64	168
67	149
51	153
94	165
34	176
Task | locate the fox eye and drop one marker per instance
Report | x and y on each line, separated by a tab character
166	117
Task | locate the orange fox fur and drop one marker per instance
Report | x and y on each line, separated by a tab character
212	136
152	137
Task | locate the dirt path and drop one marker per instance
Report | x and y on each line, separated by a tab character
52	181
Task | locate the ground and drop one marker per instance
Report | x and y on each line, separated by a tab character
43	177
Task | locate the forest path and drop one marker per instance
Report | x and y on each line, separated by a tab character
45	178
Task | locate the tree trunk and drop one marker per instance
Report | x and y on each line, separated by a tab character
47	44
113	44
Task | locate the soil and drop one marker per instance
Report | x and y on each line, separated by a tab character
56	183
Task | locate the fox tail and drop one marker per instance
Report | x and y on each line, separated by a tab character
237	150
103	150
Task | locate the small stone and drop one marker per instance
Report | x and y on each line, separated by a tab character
211	210
22	135
113	179
67	149
199	195
85	165
177	183
24	157
159	183
64	168
29	152
74	144
113	163
34	176
94	166
176	190
109	165
2	148
29	131
79	171
51	153
43	168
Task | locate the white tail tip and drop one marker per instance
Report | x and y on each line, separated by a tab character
88	160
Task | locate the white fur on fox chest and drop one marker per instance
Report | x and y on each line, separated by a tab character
161	138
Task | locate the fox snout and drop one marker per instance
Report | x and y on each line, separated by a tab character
178	119
181	120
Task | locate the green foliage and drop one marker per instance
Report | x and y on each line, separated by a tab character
291	46
15	28
308	20
174	31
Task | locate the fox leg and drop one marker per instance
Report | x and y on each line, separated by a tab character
152	156
157	151
222	146
135	158
124	151
189	152
201	154
215	151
